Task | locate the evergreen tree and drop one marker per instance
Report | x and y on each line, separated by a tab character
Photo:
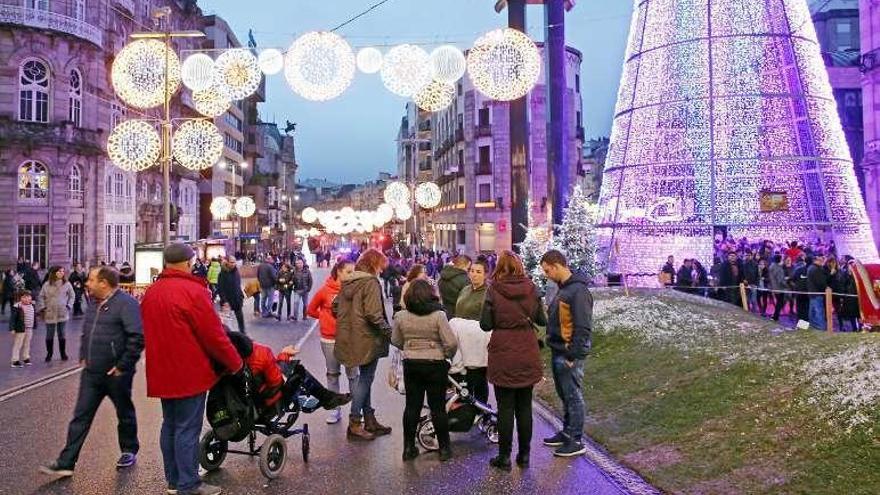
576	237
532	248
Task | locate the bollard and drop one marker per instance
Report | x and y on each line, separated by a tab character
743	297
829	311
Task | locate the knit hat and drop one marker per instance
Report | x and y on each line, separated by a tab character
178	253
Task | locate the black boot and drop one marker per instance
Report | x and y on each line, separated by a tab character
410	452
62	349
50	346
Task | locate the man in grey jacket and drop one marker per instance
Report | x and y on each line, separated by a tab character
112	342
267	275
776	273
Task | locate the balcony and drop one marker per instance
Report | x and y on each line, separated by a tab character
484	130
42	19
63	135
425	125
483	168
128	5
870	61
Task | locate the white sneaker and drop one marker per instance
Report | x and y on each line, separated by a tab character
334	417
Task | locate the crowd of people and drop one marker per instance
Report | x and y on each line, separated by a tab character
790	276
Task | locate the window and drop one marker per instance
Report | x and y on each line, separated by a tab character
579	119
459	89
118	182
232	120
32	242
485	193
461	238
75	184
74	242
460	158
108	185
33	92
577	83
484	167
33	182
79	10
232	143
117	114
128	188
74	98
37	4
483	117
461	194
127	242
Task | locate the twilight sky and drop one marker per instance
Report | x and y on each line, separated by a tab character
351	138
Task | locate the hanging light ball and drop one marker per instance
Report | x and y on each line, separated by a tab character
309	215
197	72
319	66
396	194
428	195
404	212
221	207
197	144
385	212
138	73
406	69
245	207
504	64
237	73
133	145
369	60
448	64
210	102
271	61
435	96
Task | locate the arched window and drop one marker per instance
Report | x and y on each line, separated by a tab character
33	91
75	184
33	182
74	92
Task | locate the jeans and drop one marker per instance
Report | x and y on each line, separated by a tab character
179	440
334	367
52	329
77	303
753	298
360	396
569	387
266	301
300	299
817	312
93	387
425	378
257	303
514	404
284	296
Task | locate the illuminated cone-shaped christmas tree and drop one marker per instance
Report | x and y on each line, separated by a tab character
725	125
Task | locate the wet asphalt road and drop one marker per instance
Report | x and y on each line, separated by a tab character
34	427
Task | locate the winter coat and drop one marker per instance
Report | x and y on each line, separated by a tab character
514	358
284	283
750	272
112	334
776	274
321	308
264	366
817	278
55	301
727	276
423	334
31	278
214	272
229	287
798	278
452	281
185	341
473	345
470	302
267	275
362	330
17	318
684	278
302	281
570	319
200	270
845	283
78	281
252	287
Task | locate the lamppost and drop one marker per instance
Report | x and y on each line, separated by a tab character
407	196
411	177
236	222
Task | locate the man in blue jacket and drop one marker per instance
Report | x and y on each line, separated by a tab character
111	345
569	325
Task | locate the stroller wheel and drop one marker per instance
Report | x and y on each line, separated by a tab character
212	452
426	435
306	443
273	456
491	432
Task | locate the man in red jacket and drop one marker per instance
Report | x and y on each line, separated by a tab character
185	344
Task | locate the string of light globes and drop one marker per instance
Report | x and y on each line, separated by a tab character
503	64
397	205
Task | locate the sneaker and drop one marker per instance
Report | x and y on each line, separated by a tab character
127	459
27	362
571	449
557	440
335	417
171	490
204	489
55	469
16	364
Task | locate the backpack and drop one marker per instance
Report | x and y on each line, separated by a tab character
230	410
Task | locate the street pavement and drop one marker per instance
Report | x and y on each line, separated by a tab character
34	423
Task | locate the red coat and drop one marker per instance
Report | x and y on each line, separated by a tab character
264	365
321	307
185	341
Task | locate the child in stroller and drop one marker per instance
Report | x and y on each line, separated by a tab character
463	410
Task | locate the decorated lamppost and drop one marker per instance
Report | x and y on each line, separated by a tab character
406	197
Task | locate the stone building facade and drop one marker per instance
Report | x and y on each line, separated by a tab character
870	46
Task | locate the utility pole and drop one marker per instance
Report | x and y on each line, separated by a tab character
558	178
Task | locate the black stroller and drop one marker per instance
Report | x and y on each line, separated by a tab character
463	410
229	425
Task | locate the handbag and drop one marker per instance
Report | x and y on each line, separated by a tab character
395	371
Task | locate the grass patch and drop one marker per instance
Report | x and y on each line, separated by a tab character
700	397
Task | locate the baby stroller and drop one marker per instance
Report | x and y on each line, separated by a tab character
463	410
234	417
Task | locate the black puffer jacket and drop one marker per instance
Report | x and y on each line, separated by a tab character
302	280
112	334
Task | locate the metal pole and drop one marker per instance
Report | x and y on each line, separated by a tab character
558	179
519	143
166	144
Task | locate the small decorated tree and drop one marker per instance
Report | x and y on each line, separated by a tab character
576	237
532	248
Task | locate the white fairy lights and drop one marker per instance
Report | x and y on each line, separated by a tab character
406	69
448	64
428	195
504	64
138	73
210	102
369	60
396	194
245	207
197	144
309	215
386	212
197	72
221	207
271	61
237	74
435	96
319	66
404	212
133	145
